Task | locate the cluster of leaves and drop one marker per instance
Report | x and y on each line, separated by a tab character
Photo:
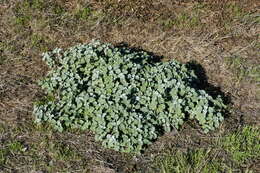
121	95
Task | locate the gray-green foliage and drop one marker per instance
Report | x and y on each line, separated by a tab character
121	95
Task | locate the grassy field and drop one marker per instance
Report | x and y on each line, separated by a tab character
222	37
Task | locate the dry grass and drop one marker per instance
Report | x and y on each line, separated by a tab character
214	34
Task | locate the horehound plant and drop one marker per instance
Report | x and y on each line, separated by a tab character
122	95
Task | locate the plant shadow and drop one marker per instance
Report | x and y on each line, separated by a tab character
122	46
203	84
200	84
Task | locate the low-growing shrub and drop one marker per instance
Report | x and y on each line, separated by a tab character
122	95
